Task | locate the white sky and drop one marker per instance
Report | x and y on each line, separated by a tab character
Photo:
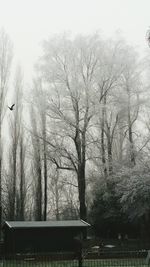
28	22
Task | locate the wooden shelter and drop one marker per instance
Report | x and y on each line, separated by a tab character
43	236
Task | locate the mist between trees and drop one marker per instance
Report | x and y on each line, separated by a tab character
79	142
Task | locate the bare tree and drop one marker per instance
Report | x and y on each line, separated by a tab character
5	63
37	166
107	81
131	101
83	80
23	170
16	136
70	77
40	102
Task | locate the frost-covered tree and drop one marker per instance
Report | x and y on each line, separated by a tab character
133	189
5	64
68	68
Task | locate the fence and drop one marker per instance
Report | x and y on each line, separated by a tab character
60	259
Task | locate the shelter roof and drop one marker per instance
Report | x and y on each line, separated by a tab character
47	224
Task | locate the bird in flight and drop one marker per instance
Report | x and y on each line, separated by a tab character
11	107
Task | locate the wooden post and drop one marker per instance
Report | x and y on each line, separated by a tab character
80	258
148	258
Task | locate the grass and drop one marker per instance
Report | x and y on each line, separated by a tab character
74	263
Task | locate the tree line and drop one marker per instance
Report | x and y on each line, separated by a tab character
76	144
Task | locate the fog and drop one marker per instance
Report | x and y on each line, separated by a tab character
78	137
29	22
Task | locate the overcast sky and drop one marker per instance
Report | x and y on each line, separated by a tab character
28	22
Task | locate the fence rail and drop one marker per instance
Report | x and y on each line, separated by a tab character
61	259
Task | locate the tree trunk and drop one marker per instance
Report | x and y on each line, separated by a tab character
37	168
45	184
57	196
39	192
0	193
45	170
80	146
81	183
22	182
103	140
130	134
109	149
13	208
132	155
